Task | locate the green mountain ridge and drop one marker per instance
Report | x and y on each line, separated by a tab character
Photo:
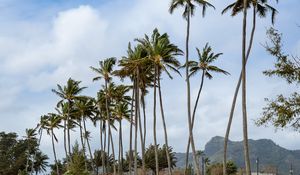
268	153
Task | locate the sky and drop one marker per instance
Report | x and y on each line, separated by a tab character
43	43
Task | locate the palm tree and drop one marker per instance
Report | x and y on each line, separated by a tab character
86	110
105	72
40	163
162	54
204	65
138	69
121	112
31	147
49	123
189	11
69	93
260	8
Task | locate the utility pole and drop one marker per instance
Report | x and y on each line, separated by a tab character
257	166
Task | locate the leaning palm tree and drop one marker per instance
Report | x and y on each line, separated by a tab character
162	54
260	8
189	10
105	71
206	58
69	93
49	123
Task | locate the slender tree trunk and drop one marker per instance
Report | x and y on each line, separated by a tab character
140	125
196	167
164	126
154	125
88	144
145	118
54	152
82	143
236	94
105	141
102	148
65	139
112	150
120	148
68	129
193	120
136	126
131	124
244	106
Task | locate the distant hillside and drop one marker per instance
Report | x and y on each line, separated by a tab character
266	150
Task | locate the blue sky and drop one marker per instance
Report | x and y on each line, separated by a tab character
43	43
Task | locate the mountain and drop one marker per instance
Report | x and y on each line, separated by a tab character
268	153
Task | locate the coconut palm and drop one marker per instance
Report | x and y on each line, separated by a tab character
121	111
189	10
31	144
138	69
49	123
69	93
40	163
162	54
105	72
260	8
86	109
206	58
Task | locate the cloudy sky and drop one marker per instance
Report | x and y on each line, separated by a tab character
43	43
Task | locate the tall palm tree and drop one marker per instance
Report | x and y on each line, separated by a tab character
260	8
86	109
139	70
121	111
206	58
49	123
162	54
69	93
189	10
105	71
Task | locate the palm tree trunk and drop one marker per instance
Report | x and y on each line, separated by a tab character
193	119
102	148
68	129
145	118
244	106
164	126
189	97
83	146
65	139
140	125
154	125
120	148
236	94
131	124
136	127
88	144
112	150
54	152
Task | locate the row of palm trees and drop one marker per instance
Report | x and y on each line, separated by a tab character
144	66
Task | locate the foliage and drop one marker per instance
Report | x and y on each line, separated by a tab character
77	164
217	169
282	112
16	153
162	159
